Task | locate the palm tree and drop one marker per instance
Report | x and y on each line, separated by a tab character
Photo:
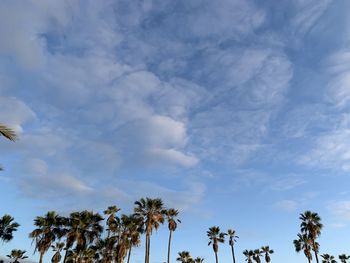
198	260
303	243
343	258
311	226
257	255
7	227
268	252
17	254
47	231
83	229
328	258
111	219
184	257
171	215
133	230
57	248
215	237
249	255
152	214
232	240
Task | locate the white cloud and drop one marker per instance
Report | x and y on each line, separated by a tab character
340	210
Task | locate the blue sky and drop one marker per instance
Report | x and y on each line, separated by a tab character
235	112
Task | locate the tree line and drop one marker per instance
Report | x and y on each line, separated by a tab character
82	237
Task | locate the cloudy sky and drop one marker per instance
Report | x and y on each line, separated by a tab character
236	112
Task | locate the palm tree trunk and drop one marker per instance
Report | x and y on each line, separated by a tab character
146	249
216	257
169	243
315	250
41	257
65	256
149	247
308	259
233	255
129	254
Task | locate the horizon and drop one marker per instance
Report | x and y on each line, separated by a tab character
234	112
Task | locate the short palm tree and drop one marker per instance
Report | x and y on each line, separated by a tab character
268	252
151	212
184	257
171	215
249	254
232	240
57	248
7	227
48	229
198	260
257	255
215	237
311	226
111	219
328	258
303	243
16	255
343	258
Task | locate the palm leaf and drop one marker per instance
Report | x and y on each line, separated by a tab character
7	132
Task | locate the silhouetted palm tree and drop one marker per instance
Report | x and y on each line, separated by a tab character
7	133
303	243
184	257
328	258
152	214
249	255
7	227
268	252
215	237
343	258
57	248
171	215
17	254
48	229
232	240
311	226
257	255
198	260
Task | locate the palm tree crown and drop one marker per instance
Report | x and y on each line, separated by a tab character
328	258
268	252
215	237
7	227
17	254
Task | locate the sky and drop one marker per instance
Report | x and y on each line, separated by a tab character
235	112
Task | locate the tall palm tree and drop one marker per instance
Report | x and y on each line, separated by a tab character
48	229
249	255
311	226
7	227
171	215
17	254
268	252
303	243
57	248
83	229
343	258
152	214
184	257
215	237
232	240
133	230
111	219
328	258
257	255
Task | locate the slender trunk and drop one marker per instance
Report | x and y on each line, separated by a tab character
65	256
169	243
41	257
129	254
233	254
146	248
149	248
216	257
315	250
308	259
